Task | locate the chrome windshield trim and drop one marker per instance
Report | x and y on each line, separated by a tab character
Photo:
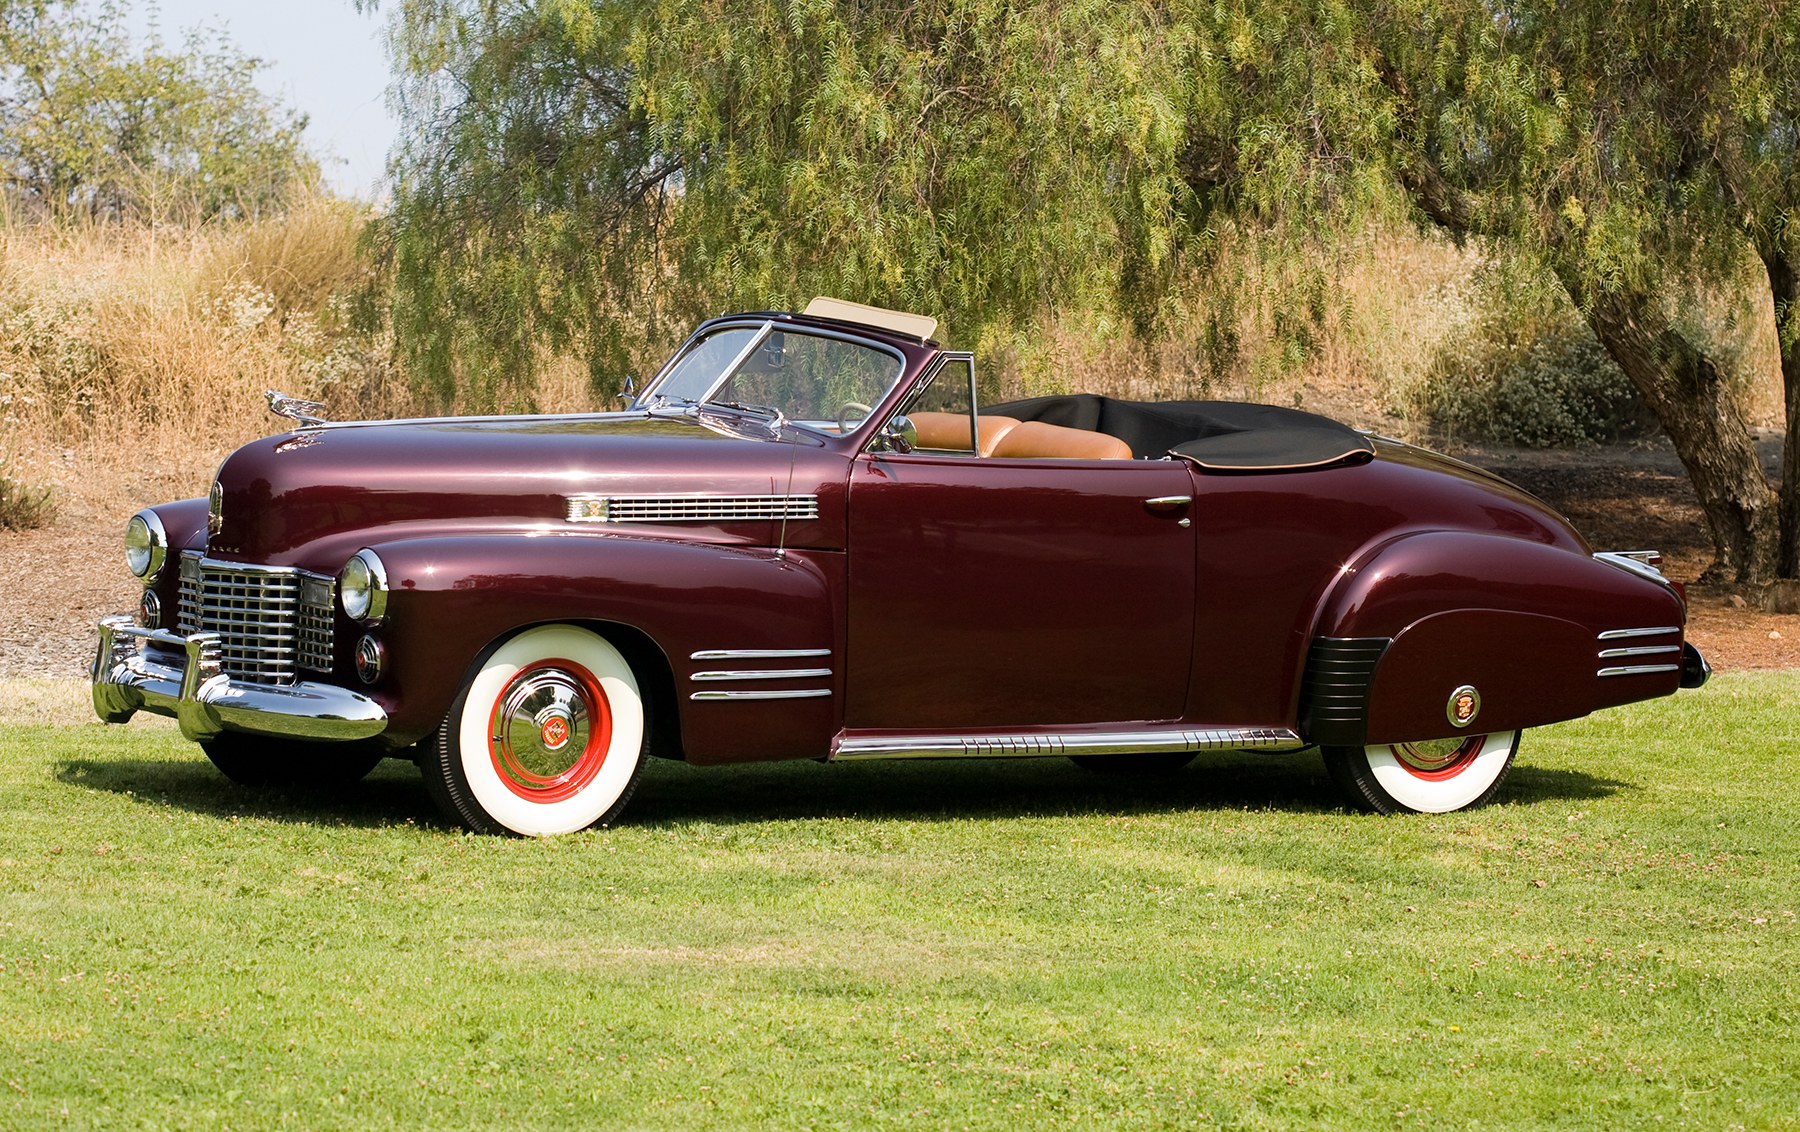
794	694
755	654
1642	650
1620	634
1640	669
762	674
1067	743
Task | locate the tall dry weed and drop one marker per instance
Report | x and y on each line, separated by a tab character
135	358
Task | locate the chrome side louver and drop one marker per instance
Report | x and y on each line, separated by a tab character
689	508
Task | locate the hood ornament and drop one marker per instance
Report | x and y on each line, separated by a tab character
307	413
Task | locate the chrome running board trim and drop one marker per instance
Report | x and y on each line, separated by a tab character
1067	743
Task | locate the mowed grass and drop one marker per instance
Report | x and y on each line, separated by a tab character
979	944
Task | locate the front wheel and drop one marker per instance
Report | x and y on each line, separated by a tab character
547	738
1432	777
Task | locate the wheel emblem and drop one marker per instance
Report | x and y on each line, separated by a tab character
1464	706
555	731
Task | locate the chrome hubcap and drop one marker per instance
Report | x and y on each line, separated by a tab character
541	727
1435	754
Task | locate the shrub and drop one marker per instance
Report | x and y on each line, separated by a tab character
24	508
1514	370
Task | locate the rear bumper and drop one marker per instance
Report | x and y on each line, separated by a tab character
198	693
1694	669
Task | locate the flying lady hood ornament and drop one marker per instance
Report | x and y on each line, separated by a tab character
306	413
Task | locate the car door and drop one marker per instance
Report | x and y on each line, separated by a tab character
988	593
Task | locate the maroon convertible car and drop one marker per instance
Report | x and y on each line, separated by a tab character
806	539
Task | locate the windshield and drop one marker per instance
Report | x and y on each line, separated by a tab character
811	379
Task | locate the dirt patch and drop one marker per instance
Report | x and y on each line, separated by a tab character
55	583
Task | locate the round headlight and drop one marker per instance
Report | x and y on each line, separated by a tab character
146	545
362	587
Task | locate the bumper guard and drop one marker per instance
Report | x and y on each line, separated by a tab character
206	701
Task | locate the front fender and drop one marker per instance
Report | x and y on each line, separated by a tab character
452	597
1521	622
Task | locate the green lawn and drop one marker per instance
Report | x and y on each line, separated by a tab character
929	944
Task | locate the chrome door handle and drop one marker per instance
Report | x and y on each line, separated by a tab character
1168	502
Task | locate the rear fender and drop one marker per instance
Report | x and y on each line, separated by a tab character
452	598
1518	622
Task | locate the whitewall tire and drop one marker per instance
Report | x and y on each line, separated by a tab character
547	738
1427	778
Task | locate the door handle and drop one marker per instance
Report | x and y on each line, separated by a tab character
1168	502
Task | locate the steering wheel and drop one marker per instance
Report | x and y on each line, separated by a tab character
846	409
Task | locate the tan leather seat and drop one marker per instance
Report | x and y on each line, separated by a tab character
1035	439
951	431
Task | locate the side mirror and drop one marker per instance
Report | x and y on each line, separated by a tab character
898	436
628	392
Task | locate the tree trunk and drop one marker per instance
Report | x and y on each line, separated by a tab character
1784	287
1700	413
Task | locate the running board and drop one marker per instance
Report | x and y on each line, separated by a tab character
1067	743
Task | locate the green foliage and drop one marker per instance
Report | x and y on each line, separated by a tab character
994	944
92	125
23	508
1551	390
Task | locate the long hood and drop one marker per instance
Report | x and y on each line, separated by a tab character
294	498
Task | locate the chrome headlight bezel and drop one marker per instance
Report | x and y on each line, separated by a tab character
146	546
363	587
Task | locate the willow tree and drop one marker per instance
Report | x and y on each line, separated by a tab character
594	172
598	172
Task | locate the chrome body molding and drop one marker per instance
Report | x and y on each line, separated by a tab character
1621	634
787	694
762	674
1641	650
755	654
684	507
1067	743
1639	669
187	681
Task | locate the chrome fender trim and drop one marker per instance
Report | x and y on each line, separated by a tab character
205	701
1066	743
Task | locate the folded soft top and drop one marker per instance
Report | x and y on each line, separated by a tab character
1229	436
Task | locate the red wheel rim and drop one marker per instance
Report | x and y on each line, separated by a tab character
1423	762
549	731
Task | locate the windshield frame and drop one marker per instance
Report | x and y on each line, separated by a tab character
653	400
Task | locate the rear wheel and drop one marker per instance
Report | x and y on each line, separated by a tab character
547	738
254	760
1432	777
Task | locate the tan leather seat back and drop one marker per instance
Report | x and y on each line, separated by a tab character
1048	441
951	431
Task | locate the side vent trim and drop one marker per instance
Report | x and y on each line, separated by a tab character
1334	695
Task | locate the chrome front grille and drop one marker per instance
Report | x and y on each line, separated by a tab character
271	620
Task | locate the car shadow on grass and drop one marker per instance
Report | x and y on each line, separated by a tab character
952	790
926	790
391	795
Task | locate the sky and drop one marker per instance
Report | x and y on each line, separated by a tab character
322	58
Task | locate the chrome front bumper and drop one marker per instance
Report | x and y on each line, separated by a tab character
206	701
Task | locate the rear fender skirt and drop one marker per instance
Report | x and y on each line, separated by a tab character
1518	621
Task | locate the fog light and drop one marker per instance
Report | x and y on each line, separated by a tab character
371	657
150	610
